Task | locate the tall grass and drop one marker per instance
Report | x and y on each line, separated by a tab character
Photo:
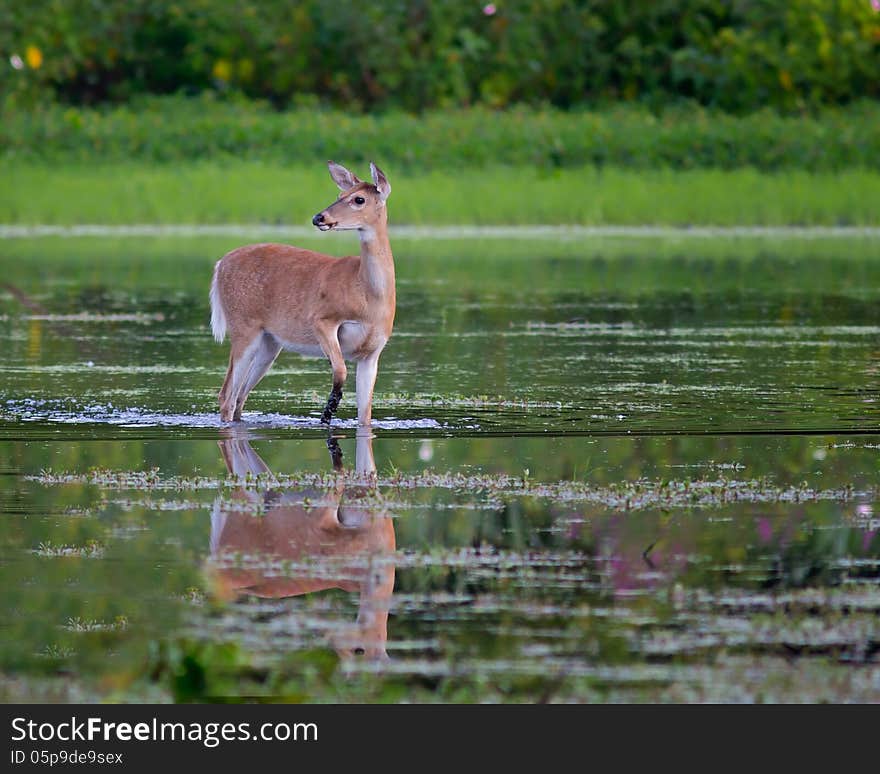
176	130
259	192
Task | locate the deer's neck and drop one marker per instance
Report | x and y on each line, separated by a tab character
377	263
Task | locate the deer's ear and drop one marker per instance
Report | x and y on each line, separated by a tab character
380	181
341	176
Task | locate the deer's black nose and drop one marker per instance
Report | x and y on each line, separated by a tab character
318	219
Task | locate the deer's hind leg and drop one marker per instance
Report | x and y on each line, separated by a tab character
249	359
263	357
221	397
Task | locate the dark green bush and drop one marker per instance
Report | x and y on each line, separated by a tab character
417	54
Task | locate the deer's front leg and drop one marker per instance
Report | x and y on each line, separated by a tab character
332	403
366	381
327	336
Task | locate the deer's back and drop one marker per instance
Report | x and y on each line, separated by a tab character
264	283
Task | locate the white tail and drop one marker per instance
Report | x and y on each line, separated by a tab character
270	297
218	317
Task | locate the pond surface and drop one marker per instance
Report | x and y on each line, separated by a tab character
608	472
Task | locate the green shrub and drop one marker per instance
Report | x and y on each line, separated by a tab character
418	54
786	54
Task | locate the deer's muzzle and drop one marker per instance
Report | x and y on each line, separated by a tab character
320	220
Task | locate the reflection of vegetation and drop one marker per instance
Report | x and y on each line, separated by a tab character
467	618
59	618
538	599
170	276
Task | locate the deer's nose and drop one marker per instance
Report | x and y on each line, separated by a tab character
318	219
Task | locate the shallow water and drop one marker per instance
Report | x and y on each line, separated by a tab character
646	475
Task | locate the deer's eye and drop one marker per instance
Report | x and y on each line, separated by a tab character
359	200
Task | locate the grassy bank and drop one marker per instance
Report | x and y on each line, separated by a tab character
625	136
174	160
259	192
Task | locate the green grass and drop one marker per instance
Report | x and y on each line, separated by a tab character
180	130
177	160
260	192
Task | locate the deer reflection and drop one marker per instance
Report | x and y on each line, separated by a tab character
343	541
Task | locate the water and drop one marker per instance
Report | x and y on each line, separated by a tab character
614	471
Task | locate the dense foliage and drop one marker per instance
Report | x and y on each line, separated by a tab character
416	54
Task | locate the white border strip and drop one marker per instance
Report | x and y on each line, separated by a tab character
560	232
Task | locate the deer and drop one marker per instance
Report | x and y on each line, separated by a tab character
338	539
272	297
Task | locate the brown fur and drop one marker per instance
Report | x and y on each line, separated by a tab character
333	527
273	296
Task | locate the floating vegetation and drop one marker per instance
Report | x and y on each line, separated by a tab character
88	625
91	550
331	566
733	601
852	638
56	652
156	504
141	318
422	400
193	596
92	367
147	480
726	332
627	495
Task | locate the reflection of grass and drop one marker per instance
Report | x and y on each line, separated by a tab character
259	192
472	268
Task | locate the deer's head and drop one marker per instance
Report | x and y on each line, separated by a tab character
360	206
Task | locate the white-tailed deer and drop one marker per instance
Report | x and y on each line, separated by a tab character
338	540
270	297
